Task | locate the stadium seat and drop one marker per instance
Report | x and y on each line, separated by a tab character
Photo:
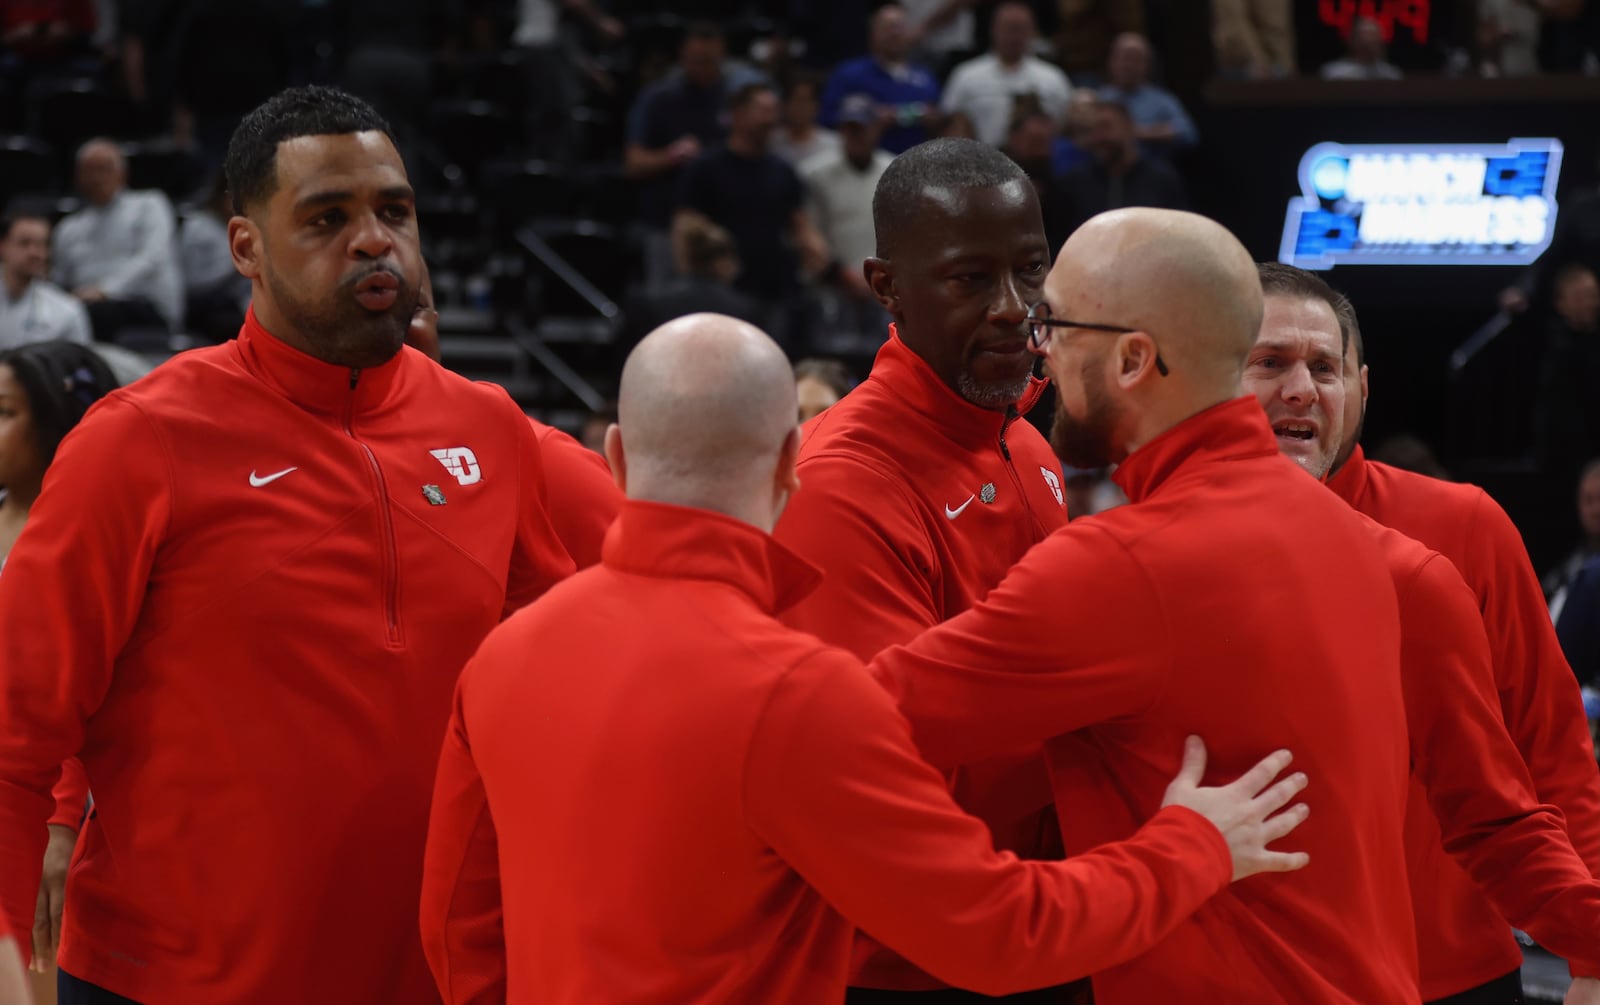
27	167
65	113
525	191
468	133
165	165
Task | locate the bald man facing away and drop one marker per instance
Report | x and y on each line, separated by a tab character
1219	602
695	804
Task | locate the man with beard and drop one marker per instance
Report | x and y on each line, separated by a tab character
1465	948
244	599
1180	613
921	487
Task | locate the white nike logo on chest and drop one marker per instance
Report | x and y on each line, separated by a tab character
953	513
269	479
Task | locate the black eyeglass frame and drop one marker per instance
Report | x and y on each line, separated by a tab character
1039	327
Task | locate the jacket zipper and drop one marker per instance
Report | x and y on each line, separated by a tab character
391	553
1016	480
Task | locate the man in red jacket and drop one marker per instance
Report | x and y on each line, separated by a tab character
704	801
1167	616
245	596
922	485
1308	372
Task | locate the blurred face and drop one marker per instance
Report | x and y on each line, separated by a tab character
800	107
961	284
25	251
1295	371
20	462
333	251
1589	506
1110	135
701	59
860	139
1012	31
815	397
891	41
1578	302
1080	111
1366	40
1031	141
100	173
756	118
1129	66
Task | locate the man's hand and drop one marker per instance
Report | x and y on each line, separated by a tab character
89	294
1242	811
1584	991
52	894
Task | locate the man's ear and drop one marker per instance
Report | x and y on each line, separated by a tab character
788	476
880	279
244	242
1136	358
616	457
1363	389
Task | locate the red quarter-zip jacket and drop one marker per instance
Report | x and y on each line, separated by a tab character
916	503
1219	603
583	497
244	598
1462	940
772	792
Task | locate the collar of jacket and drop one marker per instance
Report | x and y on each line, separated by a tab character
1230	431
1350	482
679	542
309	382
909	377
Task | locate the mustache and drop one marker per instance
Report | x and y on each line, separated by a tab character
367	272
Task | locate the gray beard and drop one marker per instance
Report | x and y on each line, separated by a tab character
994	397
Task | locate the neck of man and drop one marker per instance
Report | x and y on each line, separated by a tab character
860	162
745	146
801	132
16	283
1011	64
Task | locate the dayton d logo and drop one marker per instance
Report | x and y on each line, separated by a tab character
460	462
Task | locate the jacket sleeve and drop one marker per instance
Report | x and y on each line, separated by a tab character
1065	641
463	934
584	499
538	558
69	599
1539	697
834	785
71	794
1477	784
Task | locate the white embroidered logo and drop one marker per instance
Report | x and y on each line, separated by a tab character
460	462
1051	480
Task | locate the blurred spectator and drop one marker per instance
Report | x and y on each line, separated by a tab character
32	309
707	270
553	86
1031	143
1120	173
215	294
40	35
989	91
1556	581
593	432
1578	624
819	384
744	188
1576	239
118	253
1159	120
672	122
1365	56
800	138
941	30
1071	148
1567	416
230	56
44	390
907	93
1569	35
1085	30
1254	39
839	188
1410	453
1508	39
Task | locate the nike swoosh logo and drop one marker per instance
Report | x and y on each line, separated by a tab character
269	479
953	513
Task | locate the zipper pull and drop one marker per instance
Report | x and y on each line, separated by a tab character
354	376
1011	415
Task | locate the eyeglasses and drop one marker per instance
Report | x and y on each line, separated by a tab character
1040	323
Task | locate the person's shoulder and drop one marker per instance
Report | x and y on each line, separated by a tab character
1416	491
974	67
148	199
55	296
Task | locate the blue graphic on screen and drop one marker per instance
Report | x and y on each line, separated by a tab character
1423	204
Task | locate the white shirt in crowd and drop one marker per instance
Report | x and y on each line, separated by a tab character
839	199
126	248
822	141
985	91
42	313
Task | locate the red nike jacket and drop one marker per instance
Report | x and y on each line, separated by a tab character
583	497
771	790
243	600
916	503
1462	940
1219	603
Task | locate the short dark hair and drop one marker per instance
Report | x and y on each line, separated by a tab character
17	212
1571	272
951	163
1279	280
829	372
745	92
61	379
252	162
803	80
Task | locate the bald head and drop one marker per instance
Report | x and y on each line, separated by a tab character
705	416
1180	277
